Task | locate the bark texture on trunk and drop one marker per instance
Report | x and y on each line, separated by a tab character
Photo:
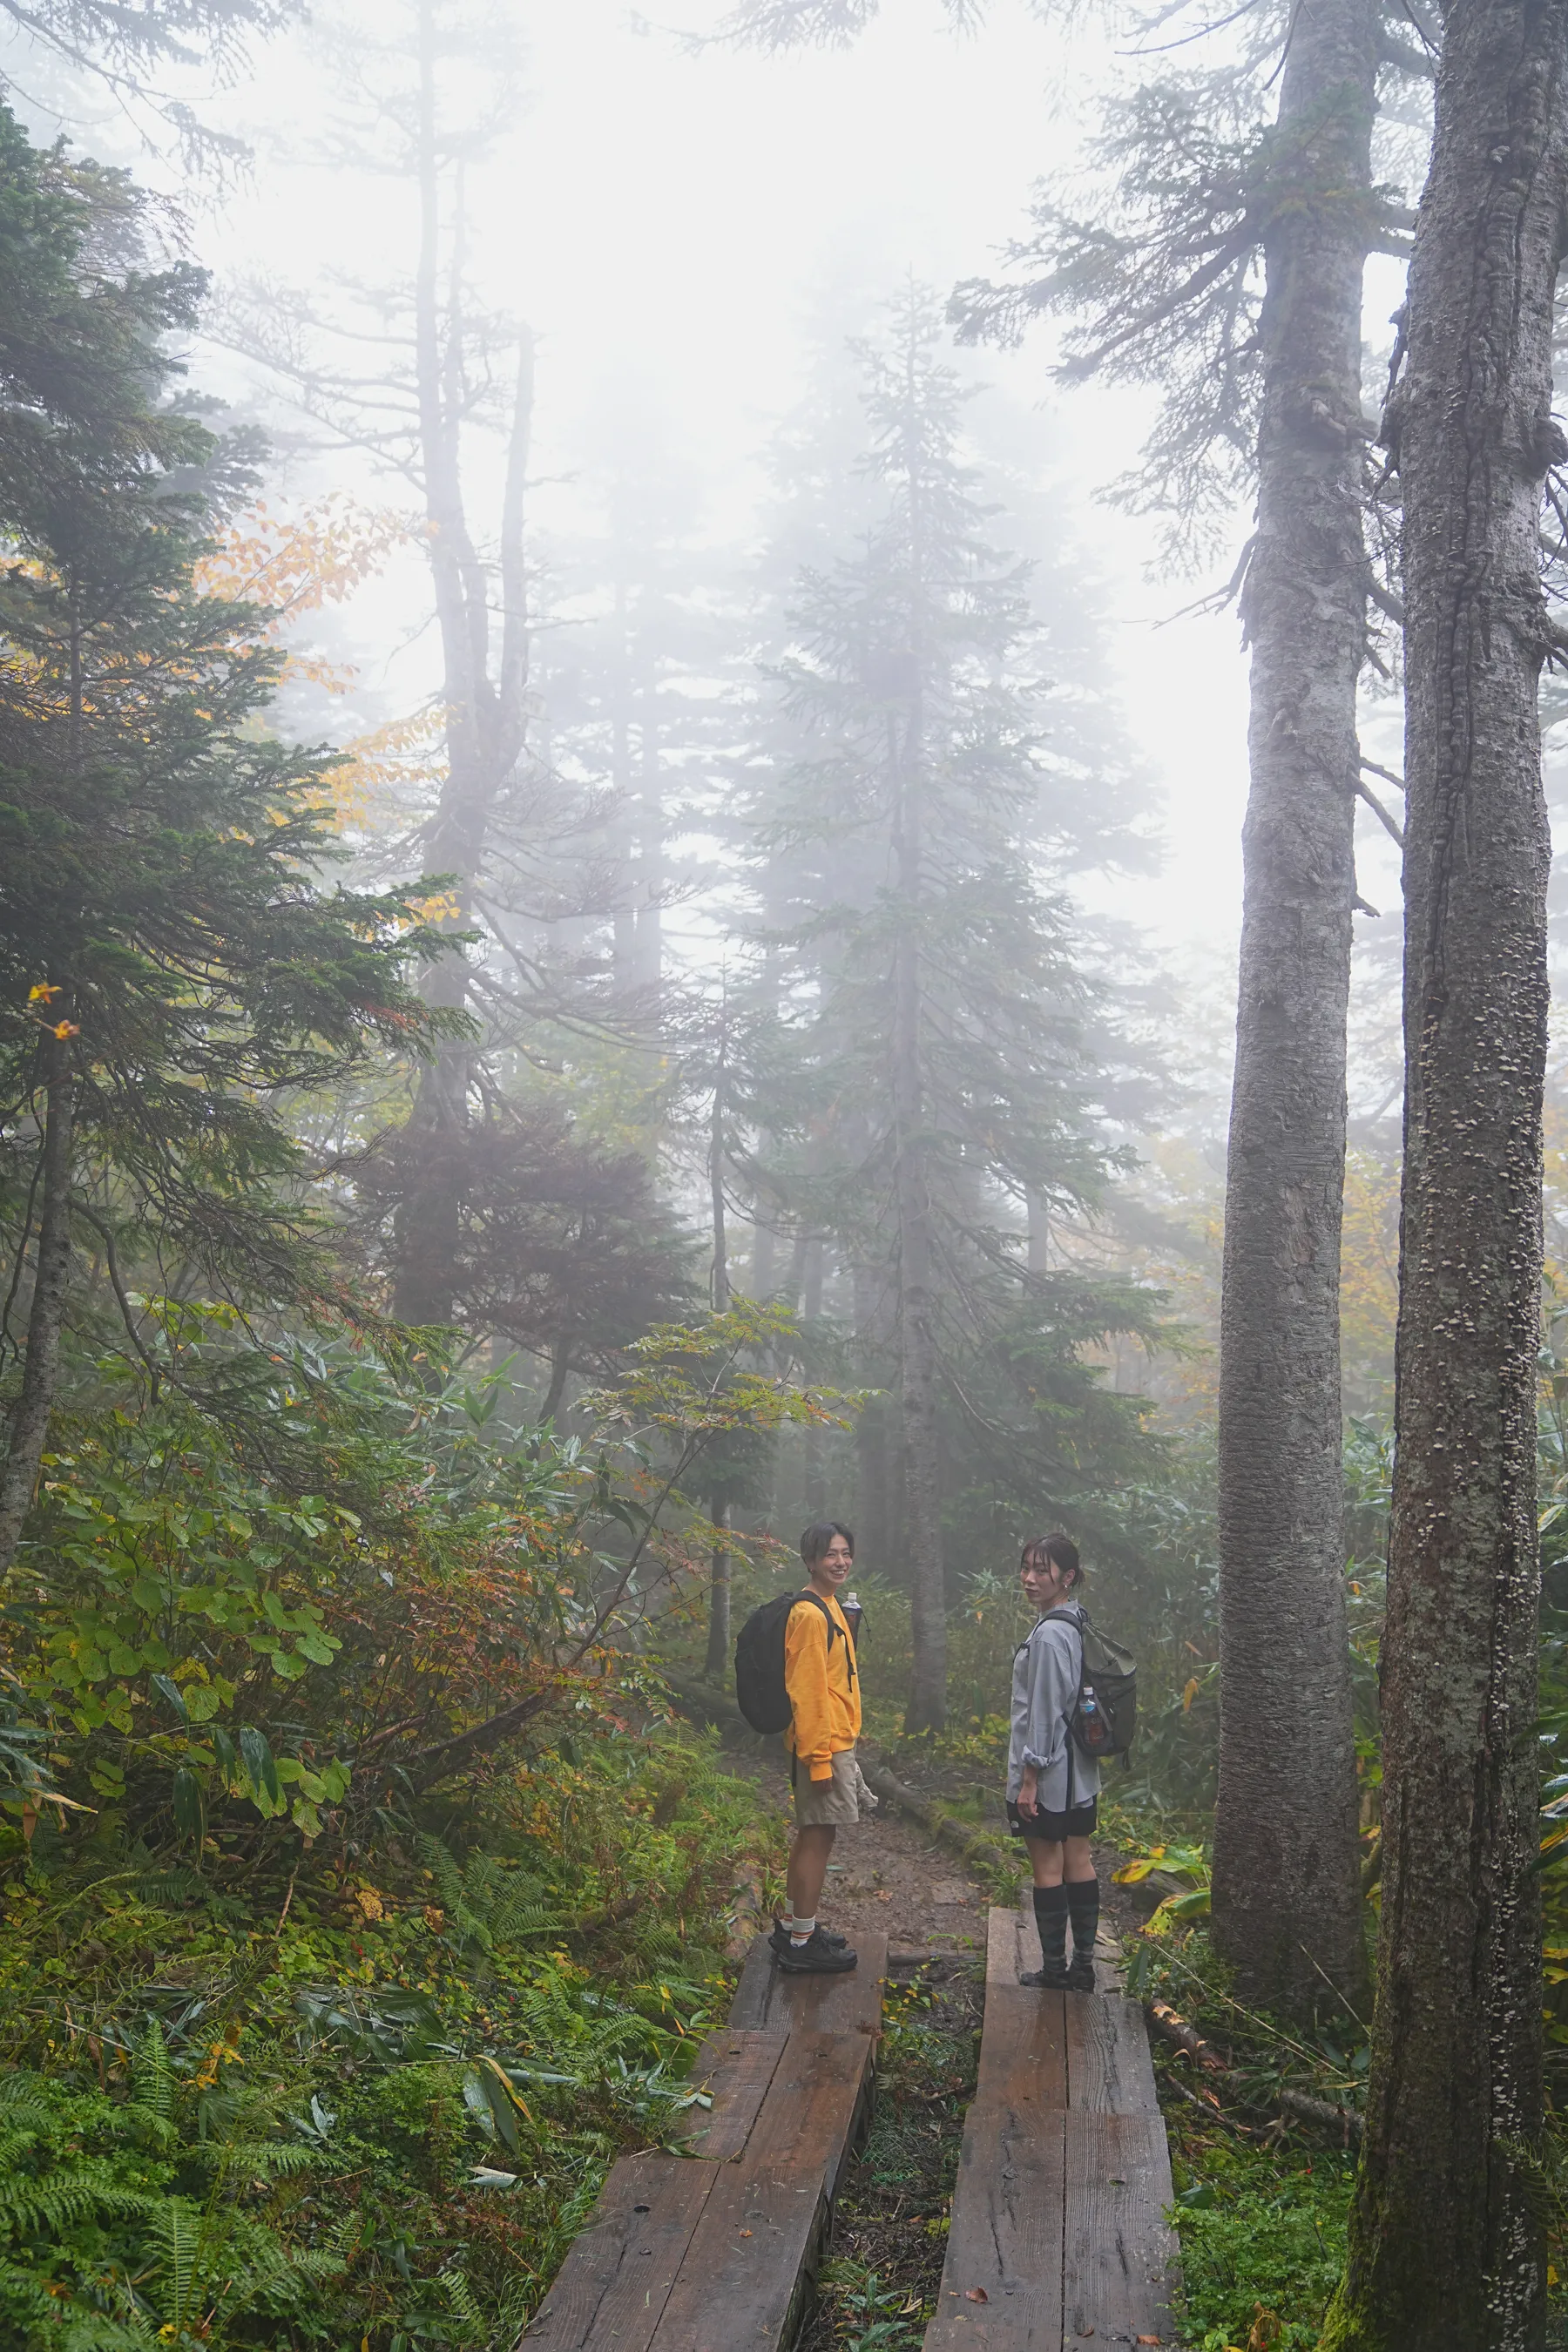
46	1319
1287	1899
1446	2251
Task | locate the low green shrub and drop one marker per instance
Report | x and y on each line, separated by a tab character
1263	2240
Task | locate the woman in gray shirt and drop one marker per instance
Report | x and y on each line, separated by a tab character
1052	1785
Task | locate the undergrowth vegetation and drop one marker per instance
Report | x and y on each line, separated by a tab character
360	1901
293	2100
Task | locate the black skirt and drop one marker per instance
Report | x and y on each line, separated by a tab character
1080	1822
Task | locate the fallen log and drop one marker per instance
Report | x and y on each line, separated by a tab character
1172	2027
708	1705
976	1847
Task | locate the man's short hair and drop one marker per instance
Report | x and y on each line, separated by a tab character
818	1538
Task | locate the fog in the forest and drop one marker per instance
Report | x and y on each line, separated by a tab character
692	233
704	840
676	227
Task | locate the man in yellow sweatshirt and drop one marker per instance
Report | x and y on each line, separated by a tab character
825	1723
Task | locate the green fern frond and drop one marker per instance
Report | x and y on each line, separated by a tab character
167	1888
153	2075
465	2306
177	2231
20	2103
267	2159
443	1869
90	2191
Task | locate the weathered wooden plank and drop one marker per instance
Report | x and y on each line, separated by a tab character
611	2291
736	2068
1023	2049
1001	2281
1004	1947
1108	2063
752	2258
850	2003
1023	2042
1117	2256
749	2009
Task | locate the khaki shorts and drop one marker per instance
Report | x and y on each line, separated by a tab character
837	1803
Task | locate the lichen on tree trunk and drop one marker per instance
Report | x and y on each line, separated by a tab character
1445	2245
1287	1900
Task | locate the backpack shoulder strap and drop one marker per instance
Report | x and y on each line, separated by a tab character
817	1602
835	1630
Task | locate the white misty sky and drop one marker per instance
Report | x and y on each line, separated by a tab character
662	218
666	216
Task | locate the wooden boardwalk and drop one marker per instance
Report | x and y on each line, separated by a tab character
718	2251
1058	2241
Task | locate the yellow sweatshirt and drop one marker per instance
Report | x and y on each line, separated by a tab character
824	1689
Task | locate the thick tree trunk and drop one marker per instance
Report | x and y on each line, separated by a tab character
559	1369
813	1446
719	1287
717	1660
1287	1901
1446	2249
46	1320
1039	1259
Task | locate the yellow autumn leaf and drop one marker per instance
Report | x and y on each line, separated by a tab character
1190	1694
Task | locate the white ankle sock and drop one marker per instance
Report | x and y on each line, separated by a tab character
802	1930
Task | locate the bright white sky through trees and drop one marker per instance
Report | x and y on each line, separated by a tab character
662	216
667	215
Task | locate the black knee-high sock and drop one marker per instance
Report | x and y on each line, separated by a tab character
1083	1905
1051	1919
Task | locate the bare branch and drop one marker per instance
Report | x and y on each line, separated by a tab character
1390	824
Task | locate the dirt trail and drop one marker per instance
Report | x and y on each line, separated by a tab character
888	1874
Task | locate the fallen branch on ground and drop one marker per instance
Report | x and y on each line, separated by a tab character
1174	2028
710	1705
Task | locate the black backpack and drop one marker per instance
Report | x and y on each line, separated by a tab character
760	1691
1105	1715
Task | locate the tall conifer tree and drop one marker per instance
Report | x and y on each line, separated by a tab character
946	1064
1226	264
169	962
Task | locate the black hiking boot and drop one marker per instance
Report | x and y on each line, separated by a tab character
817	1958
1055	1978
1081	1974
779	1938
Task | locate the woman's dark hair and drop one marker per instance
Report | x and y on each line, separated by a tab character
1059	1550
814	1543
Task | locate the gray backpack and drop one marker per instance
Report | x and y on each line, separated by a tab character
1105	1713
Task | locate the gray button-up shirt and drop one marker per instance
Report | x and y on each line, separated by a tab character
1046	1673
